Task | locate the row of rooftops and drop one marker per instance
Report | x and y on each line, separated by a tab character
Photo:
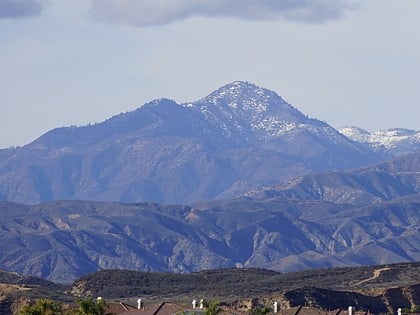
168	308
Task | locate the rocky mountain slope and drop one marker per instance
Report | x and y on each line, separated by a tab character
367	217
229	142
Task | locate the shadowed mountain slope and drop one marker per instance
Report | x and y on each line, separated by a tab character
368	185
63	240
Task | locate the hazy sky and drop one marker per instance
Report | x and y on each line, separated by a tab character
74	62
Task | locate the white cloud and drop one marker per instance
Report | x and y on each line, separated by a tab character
20	8
160	12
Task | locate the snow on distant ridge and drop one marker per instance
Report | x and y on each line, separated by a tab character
356	134
395	138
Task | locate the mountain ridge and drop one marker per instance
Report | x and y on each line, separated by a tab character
370	184
64	239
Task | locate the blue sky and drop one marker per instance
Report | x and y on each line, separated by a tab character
346	62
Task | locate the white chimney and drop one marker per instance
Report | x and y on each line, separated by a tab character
201	303
194	303
138	304
275	307
351	310
399	311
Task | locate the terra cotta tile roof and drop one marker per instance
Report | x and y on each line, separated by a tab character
163	308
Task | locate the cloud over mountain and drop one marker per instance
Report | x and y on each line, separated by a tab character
143	13
20	8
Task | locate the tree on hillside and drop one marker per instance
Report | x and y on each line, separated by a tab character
42	307
88	306
212	309
259	310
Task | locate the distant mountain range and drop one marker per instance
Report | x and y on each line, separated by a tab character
365	217
239	178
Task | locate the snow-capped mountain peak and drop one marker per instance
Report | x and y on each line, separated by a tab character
244	107
243	95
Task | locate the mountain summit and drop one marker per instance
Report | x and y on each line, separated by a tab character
237	138
246	100
252	112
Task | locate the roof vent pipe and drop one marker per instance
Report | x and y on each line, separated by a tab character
138	304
